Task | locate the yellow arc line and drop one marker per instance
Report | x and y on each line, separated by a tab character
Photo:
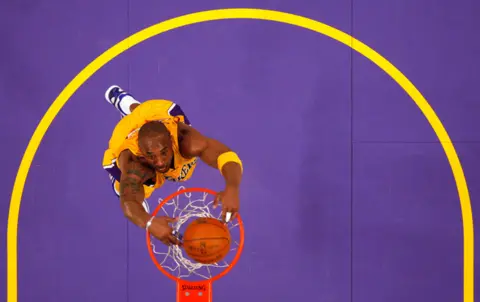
242	13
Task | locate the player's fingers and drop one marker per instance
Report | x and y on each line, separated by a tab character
177	235
217	199
166	242
223	214
171	219
173	240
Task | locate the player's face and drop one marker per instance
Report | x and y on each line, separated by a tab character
158	152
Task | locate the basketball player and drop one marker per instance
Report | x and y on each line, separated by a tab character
153	143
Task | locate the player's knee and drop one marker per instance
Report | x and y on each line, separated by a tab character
133	106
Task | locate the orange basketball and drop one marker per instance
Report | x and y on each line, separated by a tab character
206	240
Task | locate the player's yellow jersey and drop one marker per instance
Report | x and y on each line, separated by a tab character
125	136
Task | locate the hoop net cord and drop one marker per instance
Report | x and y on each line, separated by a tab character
187	208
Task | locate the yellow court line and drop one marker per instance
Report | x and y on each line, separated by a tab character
242	13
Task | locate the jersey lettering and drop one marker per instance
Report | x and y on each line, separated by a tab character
184	172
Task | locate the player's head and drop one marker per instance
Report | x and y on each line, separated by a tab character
155	143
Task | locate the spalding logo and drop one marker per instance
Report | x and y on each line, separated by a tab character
193	287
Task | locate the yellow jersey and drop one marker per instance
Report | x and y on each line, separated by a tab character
125	136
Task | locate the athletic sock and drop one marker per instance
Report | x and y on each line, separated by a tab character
123	103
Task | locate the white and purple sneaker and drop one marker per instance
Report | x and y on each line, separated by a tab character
120	99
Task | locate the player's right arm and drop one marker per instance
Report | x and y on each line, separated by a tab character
132	193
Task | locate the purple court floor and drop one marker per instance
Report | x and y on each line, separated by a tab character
347	194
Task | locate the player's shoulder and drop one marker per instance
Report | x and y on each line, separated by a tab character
191	141
128	161
124	159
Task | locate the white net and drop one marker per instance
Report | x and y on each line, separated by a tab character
188	206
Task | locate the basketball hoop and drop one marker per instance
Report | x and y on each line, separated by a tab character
194	280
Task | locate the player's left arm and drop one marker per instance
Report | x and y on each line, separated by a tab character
217	155
214	153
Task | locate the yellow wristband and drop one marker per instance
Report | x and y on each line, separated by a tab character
227	157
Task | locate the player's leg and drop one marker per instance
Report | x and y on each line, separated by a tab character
123	101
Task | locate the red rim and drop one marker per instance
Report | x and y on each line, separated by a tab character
220	275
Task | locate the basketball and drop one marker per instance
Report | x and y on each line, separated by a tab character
206	240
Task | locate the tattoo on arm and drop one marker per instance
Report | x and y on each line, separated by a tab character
131	184
140	173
